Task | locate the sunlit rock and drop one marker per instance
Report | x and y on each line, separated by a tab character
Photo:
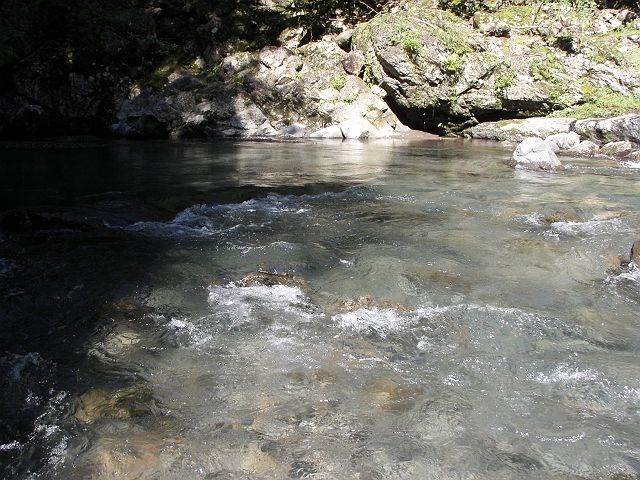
585	148
518	130
618	149
613	129
564	141
534	154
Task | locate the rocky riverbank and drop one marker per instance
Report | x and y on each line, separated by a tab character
156	68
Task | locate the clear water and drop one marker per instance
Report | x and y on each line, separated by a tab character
506	349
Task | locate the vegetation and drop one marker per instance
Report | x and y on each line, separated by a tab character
601	102
338	82
454	63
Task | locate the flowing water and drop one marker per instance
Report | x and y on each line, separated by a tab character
440	319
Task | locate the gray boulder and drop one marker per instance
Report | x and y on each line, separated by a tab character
518	130
585	148
353	63
618	149
534	154
614	129
564	141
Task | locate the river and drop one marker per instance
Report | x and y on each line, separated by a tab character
443	315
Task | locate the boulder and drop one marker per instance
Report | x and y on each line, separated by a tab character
358	128
534	154
333	131
353	63
585	148
614	129
518	130
564	141
343	40
618	149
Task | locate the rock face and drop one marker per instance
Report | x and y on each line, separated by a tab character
272	92
535	153
179	69
442	75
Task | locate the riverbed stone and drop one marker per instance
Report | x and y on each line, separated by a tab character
270	279
560	216
368	302
585	148
534	154
121	404
389	395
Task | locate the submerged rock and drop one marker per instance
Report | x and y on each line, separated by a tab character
268	279
119	404
367	302
534	154
560	216
585	148
391	396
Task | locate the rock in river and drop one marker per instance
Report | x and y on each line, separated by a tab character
534	154
268	279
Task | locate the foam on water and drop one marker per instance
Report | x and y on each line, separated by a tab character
380	320
591	227
250	305
631	164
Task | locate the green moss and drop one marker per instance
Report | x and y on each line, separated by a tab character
545	67
338	82
352	97
601	102
411	44
454	63
503	80
504	123
452	40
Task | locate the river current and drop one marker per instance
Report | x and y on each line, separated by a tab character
443	317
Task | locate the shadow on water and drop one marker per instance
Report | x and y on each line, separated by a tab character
70	270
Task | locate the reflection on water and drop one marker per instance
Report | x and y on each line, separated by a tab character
443	316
